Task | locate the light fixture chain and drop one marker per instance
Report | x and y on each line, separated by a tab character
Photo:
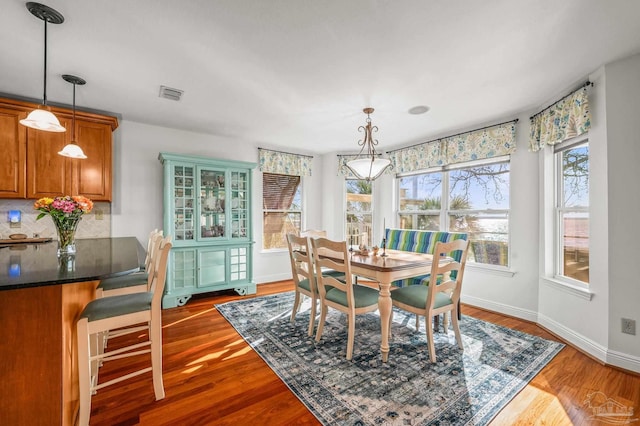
44	96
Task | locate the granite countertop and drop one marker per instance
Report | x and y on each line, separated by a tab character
36	265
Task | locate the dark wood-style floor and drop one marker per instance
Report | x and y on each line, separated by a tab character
212	377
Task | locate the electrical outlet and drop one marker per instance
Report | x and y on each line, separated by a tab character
629	326
98	213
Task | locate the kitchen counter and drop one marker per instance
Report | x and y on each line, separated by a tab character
41	298
37	264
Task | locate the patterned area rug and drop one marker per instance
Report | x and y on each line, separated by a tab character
462	388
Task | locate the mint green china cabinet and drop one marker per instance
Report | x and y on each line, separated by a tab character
207	211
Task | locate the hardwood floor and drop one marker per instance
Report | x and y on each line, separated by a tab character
211	377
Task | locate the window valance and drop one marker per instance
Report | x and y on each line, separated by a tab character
487	142
284	163
565	119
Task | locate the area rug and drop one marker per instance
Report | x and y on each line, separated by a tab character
462	388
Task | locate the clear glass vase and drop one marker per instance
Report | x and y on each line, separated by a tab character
66	228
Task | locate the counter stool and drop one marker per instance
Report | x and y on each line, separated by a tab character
113	312
135	282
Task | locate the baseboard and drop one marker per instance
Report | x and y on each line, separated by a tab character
624	361
272	278
582	343
501	308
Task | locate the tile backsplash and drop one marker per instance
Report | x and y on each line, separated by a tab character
96	224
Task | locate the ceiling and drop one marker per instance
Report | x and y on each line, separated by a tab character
296	74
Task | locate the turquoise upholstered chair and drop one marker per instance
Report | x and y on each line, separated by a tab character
437	298
132	283
142	310
343	296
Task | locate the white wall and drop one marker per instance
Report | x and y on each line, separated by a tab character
138	189
578	317
589	320
623	153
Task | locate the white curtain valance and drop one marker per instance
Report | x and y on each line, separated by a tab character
284	163
565	119
488	142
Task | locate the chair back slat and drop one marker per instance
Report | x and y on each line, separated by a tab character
447	274
301	260
159	273
332	255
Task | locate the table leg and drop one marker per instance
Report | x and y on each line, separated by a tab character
384	306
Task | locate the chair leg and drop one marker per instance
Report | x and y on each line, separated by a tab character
417	322
323	316
430	342
312	315
155	334
296	306
445	322
84	372
456	329
351	332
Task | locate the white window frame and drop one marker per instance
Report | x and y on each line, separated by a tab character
300	211
445	212
347	212
560	209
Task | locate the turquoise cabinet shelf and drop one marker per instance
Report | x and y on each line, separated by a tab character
207	211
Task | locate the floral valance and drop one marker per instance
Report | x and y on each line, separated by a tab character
343	170
488	142
284	163
565	119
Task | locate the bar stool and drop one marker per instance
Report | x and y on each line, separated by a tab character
113	312
135	282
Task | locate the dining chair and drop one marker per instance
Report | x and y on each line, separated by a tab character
134	282
441	296
316	233
341	295
304	277
114	312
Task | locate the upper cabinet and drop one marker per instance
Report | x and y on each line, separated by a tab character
32	167
13	160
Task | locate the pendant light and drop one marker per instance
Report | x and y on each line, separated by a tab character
42	118
72	150
369	165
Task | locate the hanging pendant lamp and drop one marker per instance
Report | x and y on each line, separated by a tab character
369	165
72	150
42	118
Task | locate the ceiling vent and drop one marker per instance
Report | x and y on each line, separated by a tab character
170	93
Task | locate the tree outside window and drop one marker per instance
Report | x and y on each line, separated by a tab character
473	199
282	209
572	211
359	212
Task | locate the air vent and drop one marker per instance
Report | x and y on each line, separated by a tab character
170	93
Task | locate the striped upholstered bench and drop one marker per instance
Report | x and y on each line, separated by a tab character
419	242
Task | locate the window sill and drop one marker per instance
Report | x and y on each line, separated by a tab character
489	269
575	290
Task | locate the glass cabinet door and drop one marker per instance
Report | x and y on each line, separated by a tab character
212	203
184	199
239	204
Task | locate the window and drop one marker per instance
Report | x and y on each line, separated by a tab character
473	198
359	212
572	211
282	209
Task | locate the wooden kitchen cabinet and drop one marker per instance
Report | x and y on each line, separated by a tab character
13	160
44	172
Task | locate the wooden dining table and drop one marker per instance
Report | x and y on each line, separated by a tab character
396	265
